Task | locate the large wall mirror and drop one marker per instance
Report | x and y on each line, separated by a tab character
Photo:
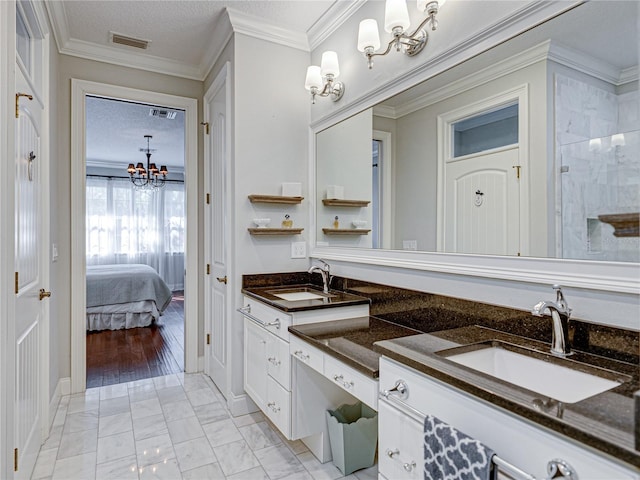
518	151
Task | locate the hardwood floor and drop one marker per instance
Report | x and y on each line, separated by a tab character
119	356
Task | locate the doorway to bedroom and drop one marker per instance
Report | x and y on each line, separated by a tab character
135	240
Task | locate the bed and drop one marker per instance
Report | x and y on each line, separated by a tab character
124	296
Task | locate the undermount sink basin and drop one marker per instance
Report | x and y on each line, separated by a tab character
542	375
298	294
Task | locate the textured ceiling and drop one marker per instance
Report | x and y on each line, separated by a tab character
179	31
116	130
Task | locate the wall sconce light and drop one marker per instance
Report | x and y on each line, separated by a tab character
617	140
321	80
396	22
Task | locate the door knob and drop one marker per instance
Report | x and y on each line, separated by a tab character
222	279
44	294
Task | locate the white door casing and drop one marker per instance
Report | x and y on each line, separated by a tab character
518	176
79	90
31	248
218	279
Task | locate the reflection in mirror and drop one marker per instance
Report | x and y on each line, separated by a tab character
516	151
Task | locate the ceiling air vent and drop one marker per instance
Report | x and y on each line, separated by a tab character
162	113
129	41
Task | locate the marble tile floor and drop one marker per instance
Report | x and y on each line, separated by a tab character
172	427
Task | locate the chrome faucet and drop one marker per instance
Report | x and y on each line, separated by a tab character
323	270
560	313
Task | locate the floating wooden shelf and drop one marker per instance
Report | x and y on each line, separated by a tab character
346	231
335	202
275	231
274	199
625	224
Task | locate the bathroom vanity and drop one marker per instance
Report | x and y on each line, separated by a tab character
270	378
410	358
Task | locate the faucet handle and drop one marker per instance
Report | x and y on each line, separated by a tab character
325	265
560	300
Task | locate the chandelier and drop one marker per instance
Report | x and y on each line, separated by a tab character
149	177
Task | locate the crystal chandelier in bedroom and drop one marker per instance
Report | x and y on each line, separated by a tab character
149	177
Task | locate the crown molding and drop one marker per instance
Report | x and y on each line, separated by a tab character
257	27
585	63
547	50
487	74
59	23
331	20
222	33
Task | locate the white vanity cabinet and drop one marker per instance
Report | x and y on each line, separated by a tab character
514	439
267	358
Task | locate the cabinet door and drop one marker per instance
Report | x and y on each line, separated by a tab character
255	363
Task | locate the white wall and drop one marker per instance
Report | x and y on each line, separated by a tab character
271	117
347	158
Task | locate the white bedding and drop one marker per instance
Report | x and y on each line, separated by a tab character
124	296
123	315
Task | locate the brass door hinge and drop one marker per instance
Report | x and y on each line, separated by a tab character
517	167
15	459
206	127
208	269
208	339
16	288
208	198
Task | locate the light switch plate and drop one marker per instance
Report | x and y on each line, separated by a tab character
298	249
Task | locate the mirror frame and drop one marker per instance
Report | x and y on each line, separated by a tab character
620	277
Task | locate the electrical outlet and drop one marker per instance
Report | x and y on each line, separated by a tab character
298	249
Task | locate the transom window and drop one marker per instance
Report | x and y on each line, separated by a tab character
491	129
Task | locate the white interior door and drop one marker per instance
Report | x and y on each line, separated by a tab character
216	228
31	241
482	204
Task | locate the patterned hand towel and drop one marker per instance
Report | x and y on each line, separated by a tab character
449	454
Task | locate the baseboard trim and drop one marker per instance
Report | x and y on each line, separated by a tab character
201	363
63	387
241	405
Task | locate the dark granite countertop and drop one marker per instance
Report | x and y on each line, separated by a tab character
605	421
335	298
352	340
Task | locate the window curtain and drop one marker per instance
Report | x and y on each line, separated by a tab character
127	225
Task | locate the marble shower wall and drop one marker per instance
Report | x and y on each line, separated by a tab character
597	177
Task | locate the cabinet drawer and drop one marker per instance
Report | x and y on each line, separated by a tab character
278	406
400	448
276	321
279	361
306	353
354	382
517	441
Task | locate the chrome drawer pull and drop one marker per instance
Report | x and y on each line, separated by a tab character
273	407
300	354
409	466
401	389
390	453
246	311
274	360
340	379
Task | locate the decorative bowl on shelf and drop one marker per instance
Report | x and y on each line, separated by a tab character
359	223
262	222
